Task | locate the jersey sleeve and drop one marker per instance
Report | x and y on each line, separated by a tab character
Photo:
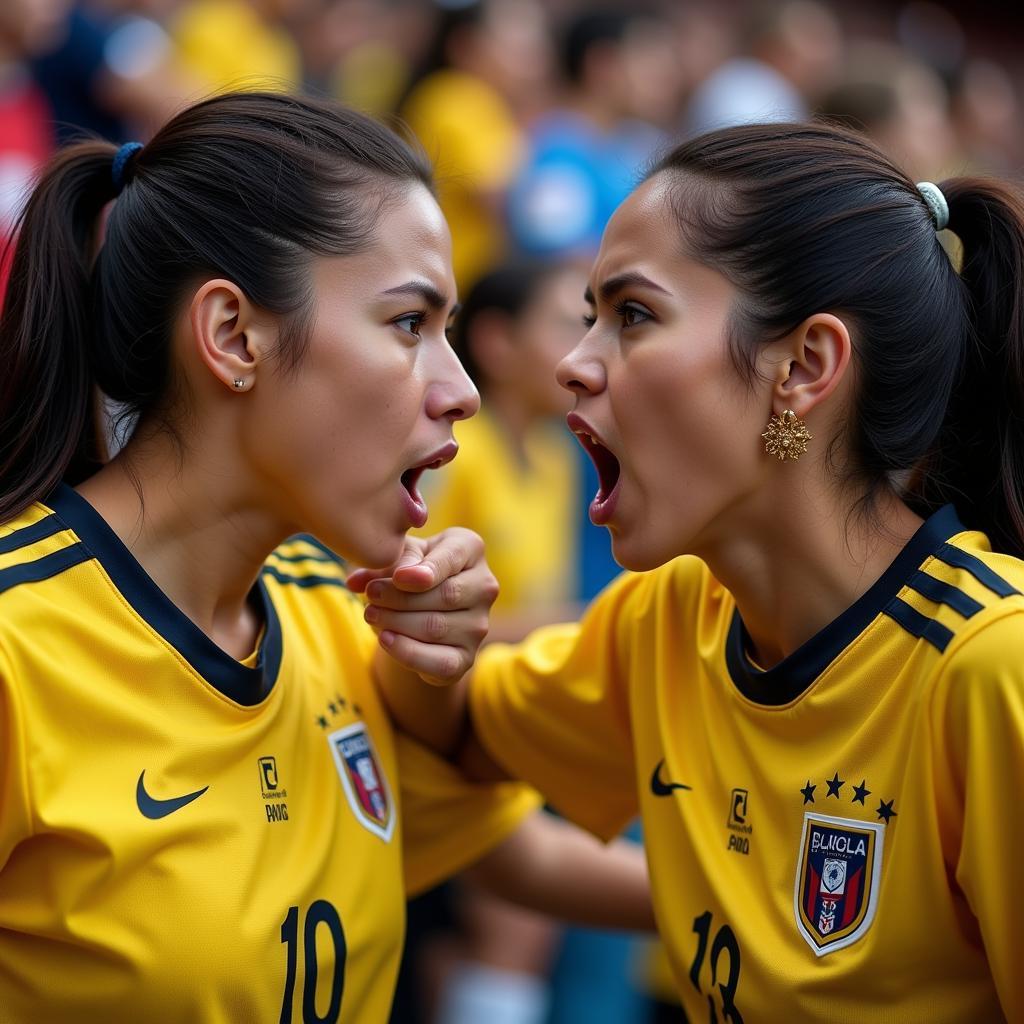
555	710
15	817
979	741
447	822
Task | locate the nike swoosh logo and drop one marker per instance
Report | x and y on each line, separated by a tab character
659	788
153	808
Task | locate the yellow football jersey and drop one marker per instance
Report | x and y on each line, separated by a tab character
185	837
526	514
833	839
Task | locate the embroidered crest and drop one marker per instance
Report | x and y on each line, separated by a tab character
837	880
363	780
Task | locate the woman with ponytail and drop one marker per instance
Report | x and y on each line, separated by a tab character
809	427
204	814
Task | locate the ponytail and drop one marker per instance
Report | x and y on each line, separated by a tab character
979	460
810	217
48	429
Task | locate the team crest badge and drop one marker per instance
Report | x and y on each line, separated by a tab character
363	780
837	880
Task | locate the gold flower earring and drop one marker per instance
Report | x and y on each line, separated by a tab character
787	436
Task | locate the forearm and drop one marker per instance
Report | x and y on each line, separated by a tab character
436	716
553	867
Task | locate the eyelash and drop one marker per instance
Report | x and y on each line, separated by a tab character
420	319
621	309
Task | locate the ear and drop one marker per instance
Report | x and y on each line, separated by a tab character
233	338
492	346
809	363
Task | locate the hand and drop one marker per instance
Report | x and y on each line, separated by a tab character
431	609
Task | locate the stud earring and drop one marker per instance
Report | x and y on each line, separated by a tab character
787	436
239	383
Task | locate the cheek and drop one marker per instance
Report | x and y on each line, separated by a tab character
686	412
343	416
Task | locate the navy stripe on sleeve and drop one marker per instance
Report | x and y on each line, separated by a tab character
43	568
977	568
46	527
919	625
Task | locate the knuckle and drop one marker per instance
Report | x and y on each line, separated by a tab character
436	626
450	666
490	589
456	557
451	592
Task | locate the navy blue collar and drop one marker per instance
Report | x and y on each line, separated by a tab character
788	679
241	684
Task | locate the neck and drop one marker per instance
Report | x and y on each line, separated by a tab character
798	563
191	525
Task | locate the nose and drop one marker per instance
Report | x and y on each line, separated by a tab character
453	395
581	371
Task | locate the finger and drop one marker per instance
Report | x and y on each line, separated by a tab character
358	580
437	664
460	629
412	552
476	587
446	555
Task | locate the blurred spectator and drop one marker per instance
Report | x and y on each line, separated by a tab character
109	72
987	116
363	52
26	121
489	61
790	52
515	481
621	79
239	44
902	104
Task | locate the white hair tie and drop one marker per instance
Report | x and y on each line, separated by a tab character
936	203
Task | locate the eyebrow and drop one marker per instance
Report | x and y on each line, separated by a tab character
616	284
423	290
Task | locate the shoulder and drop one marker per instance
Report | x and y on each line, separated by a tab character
304	561
37	549
970	603
306	582
959	594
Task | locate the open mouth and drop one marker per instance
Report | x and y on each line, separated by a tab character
607	466
415	505
606	463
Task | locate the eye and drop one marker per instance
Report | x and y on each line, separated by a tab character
410	323
589	320
632	314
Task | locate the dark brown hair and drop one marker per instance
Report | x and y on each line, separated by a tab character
248	186
807	218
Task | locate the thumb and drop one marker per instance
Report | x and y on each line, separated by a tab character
412	554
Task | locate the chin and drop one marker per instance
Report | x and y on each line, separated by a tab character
638	555
381	553
367	552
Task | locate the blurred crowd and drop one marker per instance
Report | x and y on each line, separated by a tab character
539	115
538	112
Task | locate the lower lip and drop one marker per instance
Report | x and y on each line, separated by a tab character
415	511
602	509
